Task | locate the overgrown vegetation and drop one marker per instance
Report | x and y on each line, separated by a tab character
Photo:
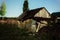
12	32
50	32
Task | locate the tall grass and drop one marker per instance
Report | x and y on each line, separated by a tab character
12	32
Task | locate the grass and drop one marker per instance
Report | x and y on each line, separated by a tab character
13	32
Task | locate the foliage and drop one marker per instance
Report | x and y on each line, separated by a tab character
3	9
12	32
25	6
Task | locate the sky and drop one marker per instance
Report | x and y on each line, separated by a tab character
14	7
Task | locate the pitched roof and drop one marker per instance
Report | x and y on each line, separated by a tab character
30	13
57	14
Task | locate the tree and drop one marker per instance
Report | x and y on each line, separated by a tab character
25	6
3	9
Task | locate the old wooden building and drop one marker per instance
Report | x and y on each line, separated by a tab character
37	17
56	16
